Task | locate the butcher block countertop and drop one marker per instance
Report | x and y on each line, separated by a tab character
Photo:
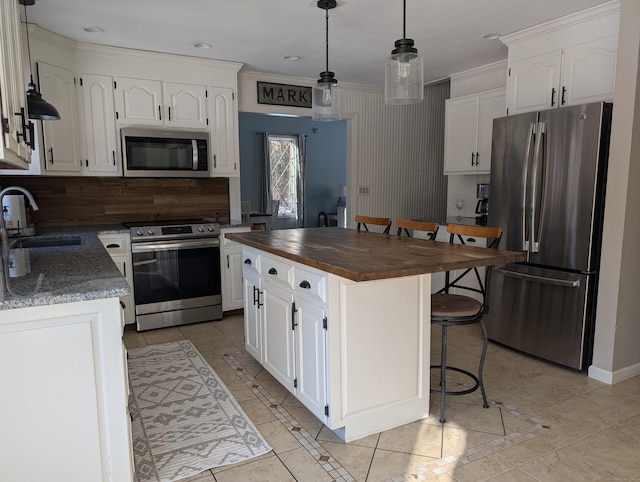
365	256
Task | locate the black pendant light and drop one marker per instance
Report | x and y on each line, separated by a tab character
326	93
404	75
37	107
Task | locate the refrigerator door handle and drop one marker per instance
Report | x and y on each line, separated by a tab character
525	172
538	279
536	171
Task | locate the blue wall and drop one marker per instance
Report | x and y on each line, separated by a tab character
326	165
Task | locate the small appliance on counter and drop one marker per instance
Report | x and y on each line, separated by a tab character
482	206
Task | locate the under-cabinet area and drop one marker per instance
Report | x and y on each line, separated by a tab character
354	353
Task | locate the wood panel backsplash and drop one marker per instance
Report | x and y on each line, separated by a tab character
81	201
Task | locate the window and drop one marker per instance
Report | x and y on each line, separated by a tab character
284	157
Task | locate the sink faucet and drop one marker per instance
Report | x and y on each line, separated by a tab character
4	240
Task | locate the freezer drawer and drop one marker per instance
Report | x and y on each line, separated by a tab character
541	312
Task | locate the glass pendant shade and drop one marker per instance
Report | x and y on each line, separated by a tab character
404	79
403	73
326	102
326	99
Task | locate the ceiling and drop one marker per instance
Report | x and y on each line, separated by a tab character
448	33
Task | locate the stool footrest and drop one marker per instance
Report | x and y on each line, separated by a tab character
464	372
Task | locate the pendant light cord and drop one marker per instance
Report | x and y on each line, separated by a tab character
26	22
404	18
327	38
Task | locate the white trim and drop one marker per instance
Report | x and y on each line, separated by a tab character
147	56
501	65
613	377
562	22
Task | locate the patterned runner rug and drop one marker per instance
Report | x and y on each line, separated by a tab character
184	420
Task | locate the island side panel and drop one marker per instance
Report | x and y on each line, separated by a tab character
379	352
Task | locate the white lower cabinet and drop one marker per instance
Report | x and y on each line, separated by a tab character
231	264
119	248
252	315
311	355
355	354
284	330
278	334
64	403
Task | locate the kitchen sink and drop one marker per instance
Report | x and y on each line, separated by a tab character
47	242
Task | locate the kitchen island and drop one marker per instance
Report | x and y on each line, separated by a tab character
342	319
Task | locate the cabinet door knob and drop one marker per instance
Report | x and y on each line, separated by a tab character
305	284
247	261
564	91
273	271
553	96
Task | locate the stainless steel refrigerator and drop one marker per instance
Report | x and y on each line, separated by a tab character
548	172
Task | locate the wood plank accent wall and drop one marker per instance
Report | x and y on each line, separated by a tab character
82	201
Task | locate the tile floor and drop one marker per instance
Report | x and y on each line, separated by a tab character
544	423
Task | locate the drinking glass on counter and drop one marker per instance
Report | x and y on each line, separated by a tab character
459	206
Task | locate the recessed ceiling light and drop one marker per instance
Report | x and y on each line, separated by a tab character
291	58
93	29
202	45
492	36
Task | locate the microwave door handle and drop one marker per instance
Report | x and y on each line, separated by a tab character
194	149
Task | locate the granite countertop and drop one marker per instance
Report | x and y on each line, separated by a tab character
364	256
71	273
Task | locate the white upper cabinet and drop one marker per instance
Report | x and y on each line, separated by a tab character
567	61
101	142
534	82
588	71
156	103
186	105
16	136
468	128
223	122
139	101
60	146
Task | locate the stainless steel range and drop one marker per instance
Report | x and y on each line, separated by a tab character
176	272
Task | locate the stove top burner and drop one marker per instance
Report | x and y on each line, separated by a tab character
172	229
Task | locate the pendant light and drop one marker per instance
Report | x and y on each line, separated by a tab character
38	108
326	93
404	76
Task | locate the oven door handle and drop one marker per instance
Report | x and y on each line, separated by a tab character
169	245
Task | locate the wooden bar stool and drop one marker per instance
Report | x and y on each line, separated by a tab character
431	228
363	220
450	310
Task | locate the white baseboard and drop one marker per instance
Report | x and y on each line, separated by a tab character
613	377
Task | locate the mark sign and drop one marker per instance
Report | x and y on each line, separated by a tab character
282	94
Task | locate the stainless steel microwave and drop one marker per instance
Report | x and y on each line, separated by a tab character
148	152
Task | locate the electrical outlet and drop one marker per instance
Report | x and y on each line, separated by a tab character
363	190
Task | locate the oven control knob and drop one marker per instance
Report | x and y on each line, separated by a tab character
210	228
151	232
139	232
201	229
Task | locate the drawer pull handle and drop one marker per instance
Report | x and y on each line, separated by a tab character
273	271
305	284
247	261
113	245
